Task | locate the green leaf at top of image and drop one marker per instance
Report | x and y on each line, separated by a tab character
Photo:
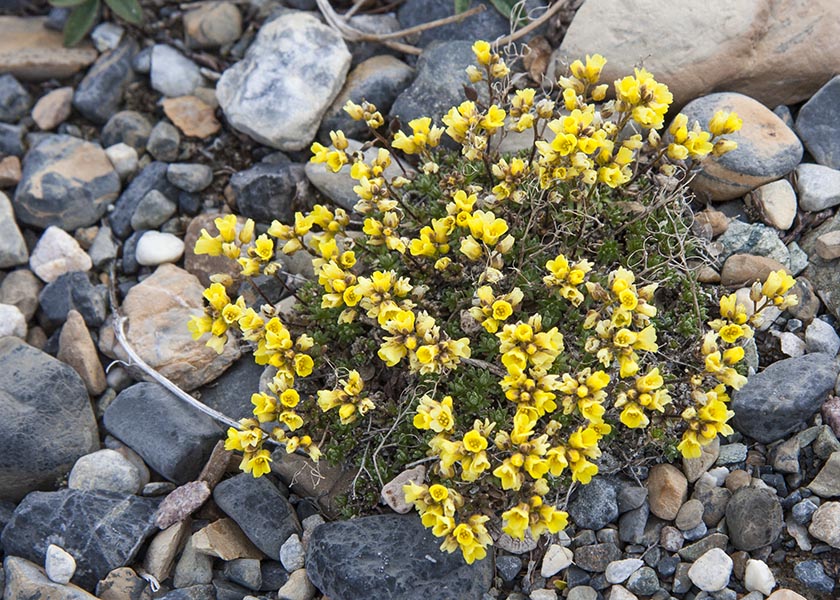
80	21
504	6
461	6
65	3
127	9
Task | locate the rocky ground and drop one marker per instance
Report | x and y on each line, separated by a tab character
115	154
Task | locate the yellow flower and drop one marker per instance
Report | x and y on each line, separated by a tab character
474	442
258	463
724	122
516	521
482	52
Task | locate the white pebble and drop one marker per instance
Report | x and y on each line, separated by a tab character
711	571
555	560
60	566
292	555
543	595
156	248
57	253
12	321
758	577
619	570
720	474
124	158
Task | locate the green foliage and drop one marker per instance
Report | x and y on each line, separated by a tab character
85	14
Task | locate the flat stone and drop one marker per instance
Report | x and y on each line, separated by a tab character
388	553
776	202
754	518
620	570
711	571
816	186
173	74
827	482
828	245
667	489
224	539
193	116
72	291
164	547
245	572
27	580
28	50
123	584
595	505
181	503
20	288
190	177
13	250
556	559
596	557
697	549
53	108
812	575
76	348
105	470
100	93
741	270
14	99
816	124
786	456
755	239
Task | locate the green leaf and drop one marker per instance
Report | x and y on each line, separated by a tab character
504	6
127	9
80	22
65	3
461	6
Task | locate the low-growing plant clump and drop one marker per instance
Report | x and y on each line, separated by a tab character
497	316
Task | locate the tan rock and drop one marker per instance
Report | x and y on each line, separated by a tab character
776	202
57	253
28	50
711	223
828	245
27	580
224	539
123	584
212	25
695	467
667	491
76	348
762	48
53	108
204	265
165	546
10	172
706	274
158	310
737	479
825	524
785	595
743	269
392	492
192	116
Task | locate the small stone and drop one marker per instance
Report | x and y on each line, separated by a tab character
193	116
124	158
10	173
643	582
181	503
595	505
631	497
76	348
13	250
826	442
71	291
24	579
156	248
711	571
213	25
620	570
828	245
298	587
555	560
106	36
153	211
31	51
743	269
816	124
798	259
123	584
732	454
292	554
164	547
618	592
245	572
695	467
754	518
189	177
822	337
671	539
631	525
224	539
711	223
791	344
127	127
543	595
12	322
827	482
786	456
100	93
758	577
14	99
57	253
690	515
164	141
59	565
105	470
12	139
668	489
812	575
697	549
582	592
173	74
193	568
755	239
776	202
803	510
595	558
53	108
393	494
508	567
818	187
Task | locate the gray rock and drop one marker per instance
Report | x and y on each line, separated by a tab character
372	23
46	421
164	141
24	579
711	572
291	73
59	564
173	74
142	61
173	438
508	567
631	525
193	568
813	576
817	187
230	393
265	191
595	557
65	182
798	259
817	124
630	497
13	250
124	158
213	25
389	553
776	401
105	470
827	482
190	177
11	139
73	291
14	99
756	239
123	584
487	25
595	506
292	554
103	249
259	508
153	211
822	337
803	511
76	519
152	177
127	127
21	288
100	93
822	275
754	518
106	36
195	592
731	454
643	582
244	571
618	571
697	549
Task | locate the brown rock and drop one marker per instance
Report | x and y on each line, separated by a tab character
224	539
831	414
776	202
695	467
706	274
181	503
737	479
825	524
204	265
667	490
164	547
28	50
392	492
828	245
53	108
123	584
743	269
76	348
10	173
212	25
711	223
158	310
192	116
216	466
28	580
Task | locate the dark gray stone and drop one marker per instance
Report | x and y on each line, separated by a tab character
631	525
65	182
230	394
46	420
163	142
630	497
11	139
227	590
130	266
803	511
194	592
508	566
153	210
596	557
273	575
667	565
244	571
100	93
127	127
73	291
714	501
698	549
266	191
152	177
818	124
173	438
813	576
14	99
754	518
259	508
595	505
101	530
778	400
487	25
389	554
190	177
643	582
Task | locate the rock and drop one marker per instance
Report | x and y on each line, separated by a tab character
9	171
152	177
76	348
487	25
224	539
595	506
755	239
643	582
163	303
785	595
181	503
27	580
582	592
817	187
298	587
825	524
291	73
192	116
697	549
100	93
631	525
11	139
57	253
123	584
822	337
246	572
790	344
556	559
173	438
105	470
383	23
161	553
213	25
595	557
711	571
266	191
60	566
20	288
803	511
816	124
76	518
12	321
53	108
14	99
164	141
193	568
667	490
823	276
754	518
124	158
45	419
392	492
66	182
173	74
786	456
106	36
259	508
620	570
156	248
292	555
776	401
828	245
190	177
378	80
775	43
392	549
127	127
204	265
153	210
758	577
13	250
690	515
73	291
827	482
195	592
812	574
741	270
618	592
693	468
29	50
776	202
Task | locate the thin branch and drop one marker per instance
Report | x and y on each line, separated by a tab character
481	364
553	10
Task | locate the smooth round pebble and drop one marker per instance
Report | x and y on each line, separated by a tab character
156	248
12	321
758	577
106	470
59	564
711	571
292	554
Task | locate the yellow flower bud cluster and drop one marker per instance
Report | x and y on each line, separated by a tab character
366	112
490	310
348	398
492	65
